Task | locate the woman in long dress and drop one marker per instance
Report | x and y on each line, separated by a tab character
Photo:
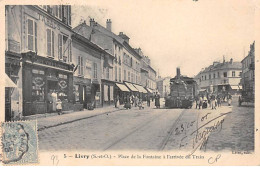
157	100
54	100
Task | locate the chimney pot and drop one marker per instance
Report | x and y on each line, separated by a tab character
91	22
109	25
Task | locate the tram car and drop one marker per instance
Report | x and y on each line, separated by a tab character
182	92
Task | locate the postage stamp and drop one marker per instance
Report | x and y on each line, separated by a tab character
19	142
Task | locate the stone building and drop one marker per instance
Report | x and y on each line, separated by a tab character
248	71
38	58
163	86
225	75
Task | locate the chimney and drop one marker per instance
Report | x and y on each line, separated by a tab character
123	36
109	25
92	22
178	71
231	61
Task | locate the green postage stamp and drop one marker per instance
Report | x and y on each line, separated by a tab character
19	142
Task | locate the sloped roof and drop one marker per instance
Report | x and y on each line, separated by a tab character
225	65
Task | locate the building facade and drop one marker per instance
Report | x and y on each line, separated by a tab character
218	74
163	86
148	74
248	71
38	57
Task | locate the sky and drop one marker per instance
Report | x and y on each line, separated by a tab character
178	33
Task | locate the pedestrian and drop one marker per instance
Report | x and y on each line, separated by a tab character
54	100
127	102
197	101
229	99
140	104
50	101
212	101
219	100
157	100
148	101
200	101
59	106
116	100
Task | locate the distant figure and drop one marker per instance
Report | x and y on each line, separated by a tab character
157	100
229	99
212	101
148	101
49	100
59	107
197	101
219	100
54	100
116	100
140	104
200	101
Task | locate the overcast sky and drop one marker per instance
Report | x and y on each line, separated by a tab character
181	33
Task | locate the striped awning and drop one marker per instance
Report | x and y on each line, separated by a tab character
140	88
122	87
149	90
131	87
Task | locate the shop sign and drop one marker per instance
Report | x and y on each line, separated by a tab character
38	81
49	22
62	84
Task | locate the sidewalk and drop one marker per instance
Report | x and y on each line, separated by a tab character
45	121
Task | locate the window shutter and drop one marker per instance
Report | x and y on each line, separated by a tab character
70	52
52	44
35	35
48	42
79	65
30	34
60	46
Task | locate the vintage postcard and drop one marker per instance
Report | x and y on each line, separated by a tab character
141	82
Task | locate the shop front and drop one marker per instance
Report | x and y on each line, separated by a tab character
82	92
107	90
121	92
142	92
132	89
44	82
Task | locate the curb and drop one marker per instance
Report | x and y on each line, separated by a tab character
67	122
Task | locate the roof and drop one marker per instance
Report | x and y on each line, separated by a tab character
225	65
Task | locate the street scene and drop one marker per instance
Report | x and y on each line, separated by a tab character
76	72
154	129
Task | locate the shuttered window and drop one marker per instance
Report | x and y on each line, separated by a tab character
50	42
60	46
31	35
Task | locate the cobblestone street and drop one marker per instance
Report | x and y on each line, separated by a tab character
227	128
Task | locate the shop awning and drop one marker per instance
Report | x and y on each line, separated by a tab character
140	88
236	87
149	90
122	87
9	82
131	87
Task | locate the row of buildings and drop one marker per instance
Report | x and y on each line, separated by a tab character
83	65
232	76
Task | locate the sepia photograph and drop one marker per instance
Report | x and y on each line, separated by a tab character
157	81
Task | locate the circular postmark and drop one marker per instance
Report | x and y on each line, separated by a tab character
14	141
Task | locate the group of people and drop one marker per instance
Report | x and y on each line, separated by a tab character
212	100
54	104
137	101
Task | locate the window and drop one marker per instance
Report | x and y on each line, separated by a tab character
129	76
95	70
233	73
214	76
115	73
80	66
119	74
201	77
218	75
136	79
132	77
131	61
205	77
64	48
225	74
31	35
240	74
50	42
38	85
209	76
107	72
124	74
